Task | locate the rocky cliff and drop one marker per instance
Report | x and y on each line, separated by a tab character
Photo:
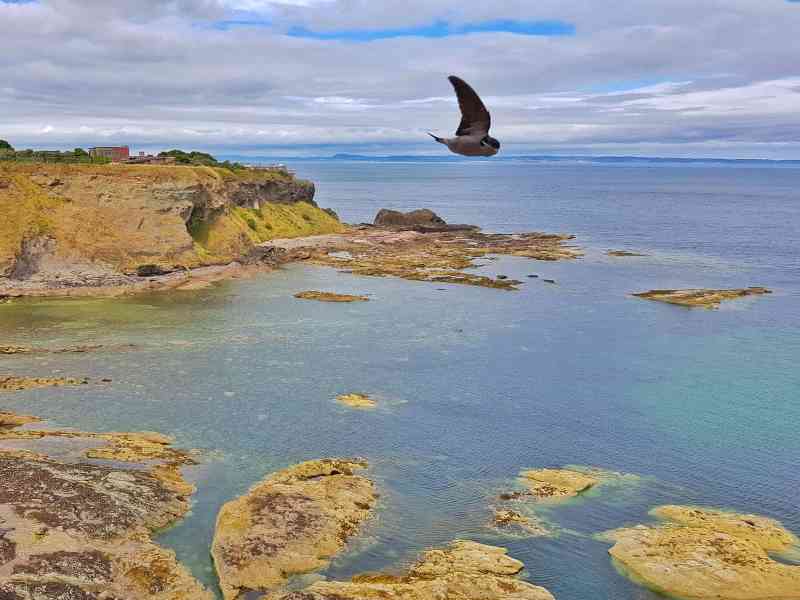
83	225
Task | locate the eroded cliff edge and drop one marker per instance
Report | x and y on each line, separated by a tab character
90	226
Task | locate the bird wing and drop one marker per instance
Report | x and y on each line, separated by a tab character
475	119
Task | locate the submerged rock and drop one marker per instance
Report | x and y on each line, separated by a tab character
79	530
463	571
356	401
293	522
623	253
709	554
511	521
329	297
705	298
556	483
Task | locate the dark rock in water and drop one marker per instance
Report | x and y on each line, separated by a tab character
151	270
533	276
393	218
502	276
549	280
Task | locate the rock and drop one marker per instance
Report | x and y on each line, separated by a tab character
506	520
330	297
501	277
11	420
549	280
533	276
151	270
10	383
705	298
622	253
80	531
15	350
556	483
356	401
434	257
293	522
709	554
393	218
464	570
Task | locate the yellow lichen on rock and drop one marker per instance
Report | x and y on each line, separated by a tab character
329	297
705	298
293	522
556	483
356	401
705	554
464	570
9	383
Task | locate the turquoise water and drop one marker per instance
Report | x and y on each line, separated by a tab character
476	384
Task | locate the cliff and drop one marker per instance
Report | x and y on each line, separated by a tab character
97	225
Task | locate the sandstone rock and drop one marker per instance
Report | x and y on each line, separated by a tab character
506	520
293	522
705	298
330	297
15	350
9	420
393	218
435	257
356	401
463	571
10	383
80	531
556	483
709	554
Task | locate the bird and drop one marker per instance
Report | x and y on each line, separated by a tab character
472	137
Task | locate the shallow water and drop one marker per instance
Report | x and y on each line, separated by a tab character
476	384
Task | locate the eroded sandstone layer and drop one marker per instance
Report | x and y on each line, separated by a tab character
706	554
293	522
438	256
462	571
10	383
80	530
701	297
329	297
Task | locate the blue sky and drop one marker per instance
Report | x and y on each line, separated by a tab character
683	78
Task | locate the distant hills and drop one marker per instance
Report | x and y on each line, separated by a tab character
601	160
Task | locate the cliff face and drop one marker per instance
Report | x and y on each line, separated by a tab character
84	225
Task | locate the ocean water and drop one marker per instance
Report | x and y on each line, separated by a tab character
474	385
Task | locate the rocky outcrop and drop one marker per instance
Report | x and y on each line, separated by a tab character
293	522
422	221
356	401
329	297
463	571
514	523
80	530
624	253
105	226
709	554
441	257
701	297
556	483
11	420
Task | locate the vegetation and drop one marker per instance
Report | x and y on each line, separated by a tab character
4	145
78	155
200	159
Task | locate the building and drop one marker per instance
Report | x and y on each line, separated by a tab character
112	153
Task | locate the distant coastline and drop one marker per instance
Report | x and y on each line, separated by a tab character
534	158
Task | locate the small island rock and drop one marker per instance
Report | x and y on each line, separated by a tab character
705	298
556	483
356	401
329	297
706	554
464	570
293	522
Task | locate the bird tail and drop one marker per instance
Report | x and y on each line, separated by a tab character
437	138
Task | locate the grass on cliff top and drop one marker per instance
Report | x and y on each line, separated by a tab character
230	235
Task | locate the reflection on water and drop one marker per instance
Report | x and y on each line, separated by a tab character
474	385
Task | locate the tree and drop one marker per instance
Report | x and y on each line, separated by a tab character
4	145
80	153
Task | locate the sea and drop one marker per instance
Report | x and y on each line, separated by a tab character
675	405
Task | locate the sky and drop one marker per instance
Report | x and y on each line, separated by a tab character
689	78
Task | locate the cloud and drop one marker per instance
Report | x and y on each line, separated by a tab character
633	76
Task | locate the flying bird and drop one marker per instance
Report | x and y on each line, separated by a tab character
472	137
